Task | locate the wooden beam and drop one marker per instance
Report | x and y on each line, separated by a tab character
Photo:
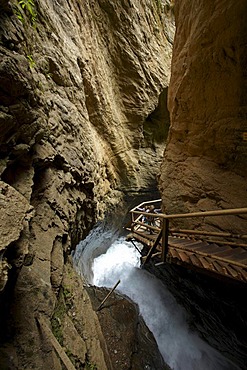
147	226
149	202
59	349
208	233
233	244
165	234
108	295
222	212
149	255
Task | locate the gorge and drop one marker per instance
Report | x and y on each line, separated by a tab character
91	93
179	344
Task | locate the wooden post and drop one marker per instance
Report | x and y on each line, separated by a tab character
152	249
165	233
108	295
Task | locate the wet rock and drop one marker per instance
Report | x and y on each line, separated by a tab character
205	159
77	84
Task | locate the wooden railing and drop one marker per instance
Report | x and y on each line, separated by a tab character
161	226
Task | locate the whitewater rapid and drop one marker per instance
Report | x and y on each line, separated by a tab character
181	348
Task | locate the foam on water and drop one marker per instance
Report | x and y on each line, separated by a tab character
181	348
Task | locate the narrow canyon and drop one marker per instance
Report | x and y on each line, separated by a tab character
105	103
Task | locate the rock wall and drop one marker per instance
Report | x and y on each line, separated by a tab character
78	84
204	166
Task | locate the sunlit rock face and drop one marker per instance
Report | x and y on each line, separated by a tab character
81	90
205	159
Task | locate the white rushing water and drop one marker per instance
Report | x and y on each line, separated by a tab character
181	348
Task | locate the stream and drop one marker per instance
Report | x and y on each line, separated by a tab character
181	347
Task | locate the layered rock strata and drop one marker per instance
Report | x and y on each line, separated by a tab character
204	166
78	85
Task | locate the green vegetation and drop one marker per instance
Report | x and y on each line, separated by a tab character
31	61
19	14
90	366
66	293
70	356
67	297
30	8
26	7
159	5
63	304
58	318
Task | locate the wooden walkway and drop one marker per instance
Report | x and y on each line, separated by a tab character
219	254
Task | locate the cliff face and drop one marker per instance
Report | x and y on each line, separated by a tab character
205	158
81	89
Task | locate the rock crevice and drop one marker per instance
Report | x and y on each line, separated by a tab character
204	166
77	81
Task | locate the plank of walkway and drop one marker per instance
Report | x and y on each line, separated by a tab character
204	249
195	261
224	260
178	256
141	238
193	245
150	237
183	256
209	249
225	252
242	273
221	269
196	244
243	262
173	252
204	263
187	244
241	254
232	271
234	254
211	255
210	262
175	241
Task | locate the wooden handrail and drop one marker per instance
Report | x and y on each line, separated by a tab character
166	218
143	204
146	203
146	225
208	233
223	212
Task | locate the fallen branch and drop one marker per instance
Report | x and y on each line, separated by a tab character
58	348
108	295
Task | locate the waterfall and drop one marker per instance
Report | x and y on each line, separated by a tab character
181	348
